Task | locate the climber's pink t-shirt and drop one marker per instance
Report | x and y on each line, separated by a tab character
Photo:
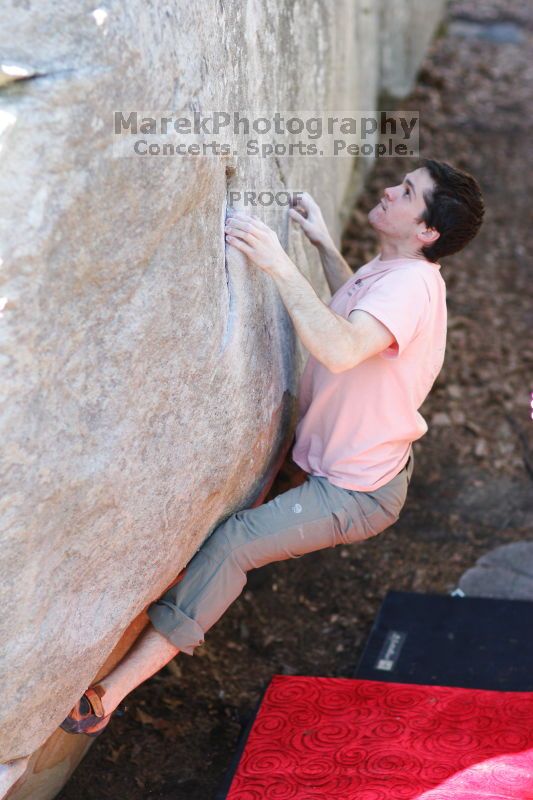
356	427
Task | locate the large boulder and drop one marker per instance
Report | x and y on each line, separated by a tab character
404	25
149	375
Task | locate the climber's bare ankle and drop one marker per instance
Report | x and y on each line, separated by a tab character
112	696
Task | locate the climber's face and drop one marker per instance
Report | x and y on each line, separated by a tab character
397	215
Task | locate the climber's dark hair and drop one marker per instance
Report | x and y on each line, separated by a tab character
454	208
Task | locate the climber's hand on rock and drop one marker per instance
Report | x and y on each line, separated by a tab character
256	240
307	214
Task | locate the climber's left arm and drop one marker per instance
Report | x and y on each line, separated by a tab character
337	343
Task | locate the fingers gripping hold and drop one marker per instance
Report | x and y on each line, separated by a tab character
306	212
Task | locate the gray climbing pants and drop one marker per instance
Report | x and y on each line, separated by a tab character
310	517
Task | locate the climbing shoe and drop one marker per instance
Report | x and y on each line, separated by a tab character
87	716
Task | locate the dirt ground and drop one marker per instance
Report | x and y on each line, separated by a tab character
472	487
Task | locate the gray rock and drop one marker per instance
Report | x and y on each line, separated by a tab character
403	25
505	572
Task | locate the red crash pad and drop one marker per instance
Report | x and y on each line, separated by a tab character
344	739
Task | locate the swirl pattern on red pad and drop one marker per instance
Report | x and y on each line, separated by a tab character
348	739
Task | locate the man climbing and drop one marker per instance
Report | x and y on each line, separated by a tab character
375	352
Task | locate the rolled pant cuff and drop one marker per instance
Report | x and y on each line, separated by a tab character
183	631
